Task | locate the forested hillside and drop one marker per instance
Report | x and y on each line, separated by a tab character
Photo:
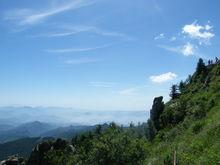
22	146
185	130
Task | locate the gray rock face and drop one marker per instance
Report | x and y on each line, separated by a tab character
70	149
37	156
13	160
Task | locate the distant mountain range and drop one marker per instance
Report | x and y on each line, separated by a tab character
15	116
21	146
67	132
5	127
39	129
21	128
33	129
21	139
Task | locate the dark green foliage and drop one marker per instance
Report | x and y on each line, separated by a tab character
174	92
98	129
151	130
189	79
199	112
201	68
59	144
201	73
182	86
168	160
197	127
21	146
39	154
174	113
112	147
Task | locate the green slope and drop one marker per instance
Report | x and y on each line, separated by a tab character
22	146
196	139
188	125
195	142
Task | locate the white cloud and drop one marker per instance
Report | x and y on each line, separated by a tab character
208	27
81	61
187	49
201	33
190	40
160	36
29	17
72	50
163	77
102	84
173	39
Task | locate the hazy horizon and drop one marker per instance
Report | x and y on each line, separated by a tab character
68	116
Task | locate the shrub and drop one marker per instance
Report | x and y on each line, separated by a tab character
197	127
168	160
199	112
210	104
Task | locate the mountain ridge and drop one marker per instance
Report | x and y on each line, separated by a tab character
185	130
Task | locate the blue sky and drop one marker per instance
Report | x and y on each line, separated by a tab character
101	54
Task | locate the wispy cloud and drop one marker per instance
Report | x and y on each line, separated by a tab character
102	84
165	77
30	16
160	36
135	90
72	50
201	33
81	61
187	49
129	91
173	39
68	30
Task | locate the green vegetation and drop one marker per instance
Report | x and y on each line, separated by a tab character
22	146
187	126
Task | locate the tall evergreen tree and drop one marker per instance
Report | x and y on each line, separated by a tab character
201	68
189	79
181	86
98	129
174	93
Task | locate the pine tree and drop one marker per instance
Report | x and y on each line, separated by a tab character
98	129
189	79
201	68
174	93
181	86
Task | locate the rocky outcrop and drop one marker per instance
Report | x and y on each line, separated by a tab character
13	160
38	154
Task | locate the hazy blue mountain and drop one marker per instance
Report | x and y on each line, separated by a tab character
67	132
24	142
20	122
5	127
22	146
33	129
